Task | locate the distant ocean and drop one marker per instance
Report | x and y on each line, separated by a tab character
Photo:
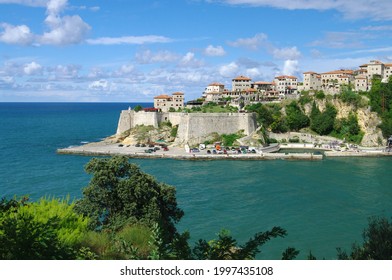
322	205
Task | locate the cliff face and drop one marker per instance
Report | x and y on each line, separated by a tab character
367	120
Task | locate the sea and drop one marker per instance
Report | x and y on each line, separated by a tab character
323	205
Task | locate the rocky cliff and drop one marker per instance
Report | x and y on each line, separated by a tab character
367	120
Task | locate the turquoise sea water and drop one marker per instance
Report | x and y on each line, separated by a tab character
322	205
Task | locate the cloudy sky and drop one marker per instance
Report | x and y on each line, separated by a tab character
132	50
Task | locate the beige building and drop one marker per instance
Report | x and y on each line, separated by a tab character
286	85
214	87
361	83
241	83
312	81
165	102
377	68
331	82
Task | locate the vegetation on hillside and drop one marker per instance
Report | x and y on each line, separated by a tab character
212	107
284	117
380	97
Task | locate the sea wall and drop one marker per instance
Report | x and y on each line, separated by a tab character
192	127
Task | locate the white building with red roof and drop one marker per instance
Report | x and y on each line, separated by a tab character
286	84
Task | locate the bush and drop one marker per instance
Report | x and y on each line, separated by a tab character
294	140
320	95
376	244
295	118
305	98
350	97
174	131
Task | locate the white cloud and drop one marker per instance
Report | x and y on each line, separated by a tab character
130	40
291	67
32	3
351	9
377	28
287	53
19	35
126	69
65	31
340	40
7	82
253	72
229	70
214	51
148	57
32	68
64	72
56	6
189	60
253	43
99	85
61	30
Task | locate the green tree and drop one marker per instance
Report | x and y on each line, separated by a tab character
323	122
263	113
295	118
47	229
348	128
119	193
377	242
225	247
138	108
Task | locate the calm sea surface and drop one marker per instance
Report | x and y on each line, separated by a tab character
322	205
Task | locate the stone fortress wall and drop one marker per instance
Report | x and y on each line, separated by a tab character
192	127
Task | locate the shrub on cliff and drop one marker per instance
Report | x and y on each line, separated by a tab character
295	118
323	122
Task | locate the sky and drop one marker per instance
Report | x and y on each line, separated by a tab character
133	50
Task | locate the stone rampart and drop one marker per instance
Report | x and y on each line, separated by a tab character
192	127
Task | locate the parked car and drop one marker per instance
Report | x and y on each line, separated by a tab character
121	145
165	149
214	152
208	151
157	148
143	145
137	145
195	150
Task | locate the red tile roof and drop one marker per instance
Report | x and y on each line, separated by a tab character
162	96
242	78
216	84
263	83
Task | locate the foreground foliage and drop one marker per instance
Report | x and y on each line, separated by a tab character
47	229
119	194
377	242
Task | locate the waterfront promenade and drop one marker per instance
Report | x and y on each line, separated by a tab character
110	149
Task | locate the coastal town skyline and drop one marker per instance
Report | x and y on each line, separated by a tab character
122	51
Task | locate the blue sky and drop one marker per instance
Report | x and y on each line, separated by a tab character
132	50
